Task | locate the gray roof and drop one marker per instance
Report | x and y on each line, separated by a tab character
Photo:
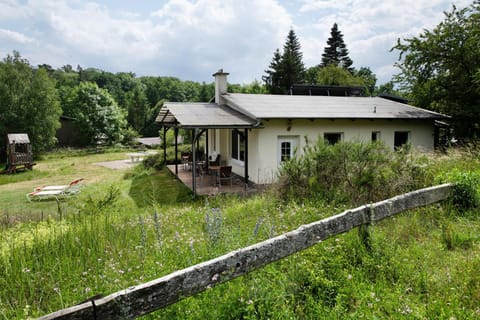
18	138
202	115
149	141
263	106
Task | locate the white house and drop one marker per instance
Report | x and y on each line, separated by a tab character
254	133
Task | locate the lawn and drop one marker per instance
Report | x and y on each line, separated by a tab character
130	226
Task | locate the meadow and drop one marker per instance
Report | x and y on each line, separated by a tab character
130	226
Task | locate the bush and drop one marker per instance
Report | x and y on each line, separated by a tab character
351	172
465	193
155	161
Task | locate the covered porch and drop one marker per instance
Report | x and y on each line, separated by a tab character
208	184
211	122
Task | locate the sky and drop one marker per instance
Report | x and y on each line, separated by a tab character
192	39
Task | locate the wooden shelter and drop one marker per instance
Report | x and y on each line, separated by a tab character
19	153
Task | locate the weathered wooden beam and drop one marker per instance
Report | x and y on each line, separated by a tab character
148	297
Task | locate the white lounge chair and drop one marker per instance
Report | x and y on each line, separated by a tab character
61	187
55	192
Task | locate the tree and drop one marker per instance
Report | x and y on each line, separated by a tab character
137	106
207	92
286	68
293	69
29	103
440	69
97	114
337	76
273	76
336	52
369	78
388	88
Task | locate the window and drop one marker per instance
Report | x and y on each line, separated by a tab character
375	136
400	138
238	145
285	151
332	137
286	147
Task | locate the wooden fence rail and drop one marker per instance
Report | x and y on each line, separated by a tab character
148	297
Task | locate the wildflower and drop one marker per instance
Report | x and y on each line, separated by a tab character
26	270
349	277
87	289
57	290
405	310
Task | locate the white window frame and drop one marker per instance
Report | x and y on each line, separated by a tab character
294	142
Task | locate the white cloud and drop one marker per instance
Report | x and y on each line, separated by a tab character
371	27
188	39
14	36
237	36
191	39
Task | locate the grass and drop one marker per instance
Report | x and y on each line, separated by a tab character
129	227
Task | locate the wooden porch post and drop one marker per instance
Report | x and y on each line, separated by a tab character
194	163
206	149
176	150
165	144
246	158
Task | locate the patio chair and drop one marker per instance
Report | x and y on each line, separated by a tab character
61	187
54	192
225	174
214	159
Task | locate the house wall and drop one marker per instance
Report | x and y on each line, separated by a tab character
263	143
264	146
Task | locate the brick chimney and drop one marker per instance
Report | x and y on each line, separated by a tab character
220	85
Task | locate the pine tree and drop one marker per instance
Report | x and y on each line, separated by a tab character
293	67
336	52
286	68
273	75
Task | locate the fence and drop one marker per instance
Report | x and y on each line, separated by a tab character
148	297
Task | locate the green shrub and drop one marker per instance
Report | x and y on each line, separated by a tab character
465	193
351	172
155	161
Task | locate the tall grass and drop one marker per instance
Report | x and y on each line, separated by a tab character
420	264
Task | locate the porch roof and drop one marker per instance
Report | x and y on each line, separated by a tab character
202	115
